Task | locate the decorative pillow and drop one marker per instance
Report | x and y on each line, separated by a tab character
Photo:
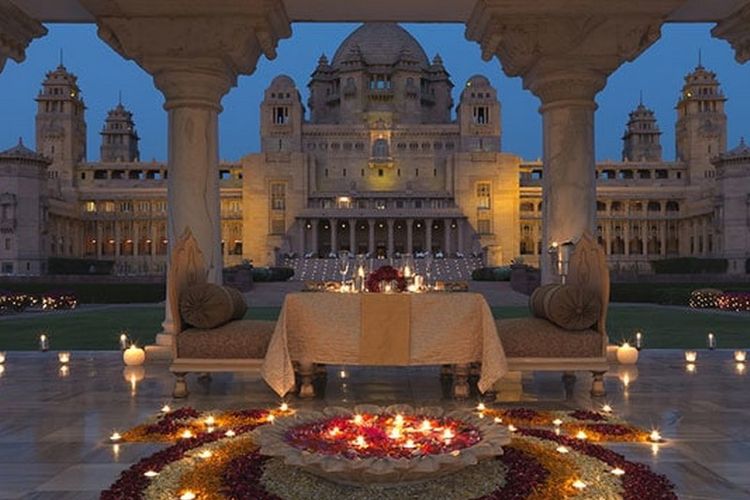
568	306
209	306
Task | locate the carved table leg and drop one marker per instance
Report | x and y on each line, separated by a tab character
446	371
460	381
180	386
569	383
597	384
307	374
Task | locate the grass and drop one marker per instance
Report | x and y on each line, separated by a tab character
663	327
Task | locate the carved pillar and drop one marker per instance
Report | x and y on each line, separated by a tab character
428	235
194	61
371	237
391	251
118	239
136	238
17	30
301	236
447	237
333	224
353	236
564	58
626	236
314	239
460	235
409	235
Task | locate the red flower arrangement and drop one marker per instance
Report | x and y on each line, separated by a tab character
379	436
385	273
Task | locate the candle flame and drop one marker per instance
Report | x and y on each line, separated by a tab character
426	426
655	436
284	407
579	485
562	449
557	422
358	419
150	473
166	409
409	444
581	435
230	433
186	434
618	471
115	436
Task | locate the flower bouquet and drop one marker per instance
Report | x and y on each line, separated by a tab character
385	274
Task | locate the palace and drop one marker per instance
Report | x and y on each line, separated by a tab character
380	161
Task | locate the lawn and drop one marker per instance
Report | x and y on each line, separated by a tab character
663	327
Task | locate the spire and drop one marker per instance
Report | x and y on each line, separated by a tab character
61	56
20	140
700	58
119	97
640	100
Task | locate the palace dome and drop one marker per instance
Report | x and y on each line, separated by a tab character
380	44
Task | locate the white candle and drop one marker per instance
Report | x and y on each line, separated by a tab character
2	357
134	356
711	341
407	271
739	356
627	355
638	340
43	342
123	341
691	356
63	357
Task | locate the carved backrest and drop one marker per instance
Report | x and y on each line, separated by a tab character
588	268
186	268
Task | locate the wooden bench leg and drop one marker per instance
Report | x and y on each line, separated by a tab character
461	381
597	384
180	386
307	374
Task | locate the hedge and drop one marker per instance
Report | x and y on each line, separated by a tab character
491	274
59	265
266	274
690	265
96	293
664	293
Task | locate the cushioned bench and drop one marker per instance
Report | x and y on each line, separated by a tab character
536	344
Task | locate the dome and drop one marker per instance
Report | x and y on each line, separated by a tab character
380	44
21	152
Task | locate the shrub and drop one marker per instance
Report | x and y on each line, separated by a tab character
734	301
690	265
704	298
58	265
491	274
266	274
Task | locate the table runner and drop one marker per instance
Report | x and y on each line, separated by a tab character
445	328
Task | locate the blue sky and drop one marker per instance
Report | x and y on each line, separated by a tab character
102	74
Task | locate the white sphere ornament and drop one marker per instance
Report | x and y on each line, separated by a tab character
627	354
133	356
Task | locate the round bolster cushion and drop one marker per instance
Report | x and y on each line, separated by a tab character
210	306
568	306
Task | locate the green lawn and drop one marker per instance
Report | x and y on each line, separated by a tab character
663	327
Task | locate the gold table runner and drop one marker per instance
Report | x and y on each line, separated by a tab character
386	329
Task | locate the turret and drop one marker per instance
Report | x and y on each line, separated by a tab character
119	138
641	141
479	116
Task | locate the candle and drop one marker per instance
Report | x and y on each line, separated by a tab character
395	433
409	444
43	342
655	436
188	495
407	271
426	426
691	356
63	357
134	356
607	408
740	367
186	434
579	485
2	357
512	428
398	420
166	409
64	371
690	368
270	418
481	407
617	471
123	341
358	419
638	340
448	434
210	420
230	433
557	422
419	281
205	454
284	407
360	442
388	288
334	432
627	355
562	450
739	356
115	436
150	473
581	435
361	271
711	341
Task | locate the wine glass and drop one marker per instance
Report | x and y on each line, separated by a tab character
428	262
343	265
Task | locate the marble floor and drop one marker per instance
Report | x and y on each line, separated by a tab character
54	424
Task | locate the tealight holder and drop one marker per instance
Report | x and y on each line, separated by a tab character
739	356
2	357
691	356
63	357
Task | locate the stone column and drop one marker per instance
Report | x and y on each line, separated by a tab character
409	235
17	30
390	223
314	238
428	234
447	234
564	58
333	224
153	239
136	238
194	57
118	238
663	237
644	237
704	236
353	236
301	236
371	237
460	235
626	236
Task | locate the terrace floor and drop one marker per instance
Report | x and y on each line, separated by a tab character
54	426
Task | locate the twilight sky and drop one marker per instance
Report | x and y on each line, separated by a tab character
102	74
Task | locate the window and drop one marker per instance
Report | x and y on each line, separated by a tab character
483	226
7	243
280	115
7	268
483	195
380	148
481	115
380	172
278	196
89	206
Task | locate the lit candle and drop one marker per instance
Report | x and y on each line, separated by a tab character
426	426
2	357
409	444
607	409
691	356
166	409
334	432
205	454
711	341
395	433
123	341
740	367
655	436
230	433
388	288
358	419
581	435
562	450
579	485
739	356
360	442
690	367
284	407
448	435
186	434
134	356
64	371
43	342
150	473
115	436
361	271
63	357
188	495
557	422
210	420
481	407
398	420
498	420
512	428
407	271
638	340
626	354
270	418
617	471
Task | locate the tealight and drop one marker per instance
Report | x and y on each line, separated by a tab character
740	356
358	419
150	473
691	356
210	420
448	434
426	426
579	485
512	428
205	454
409	444
186	434
166	409
607	409
115	436
581	435
188	495
2	357
284	407
334	432
618	471
655	436
557	422
740	367
690	367
230	433
398	420
481	407
360	441
270	418
498	420
562	450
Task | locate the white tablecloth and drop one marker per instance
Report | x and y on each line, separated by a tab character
322	327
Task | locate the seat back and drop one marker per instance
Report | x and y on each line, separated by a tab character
588	268
186	268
